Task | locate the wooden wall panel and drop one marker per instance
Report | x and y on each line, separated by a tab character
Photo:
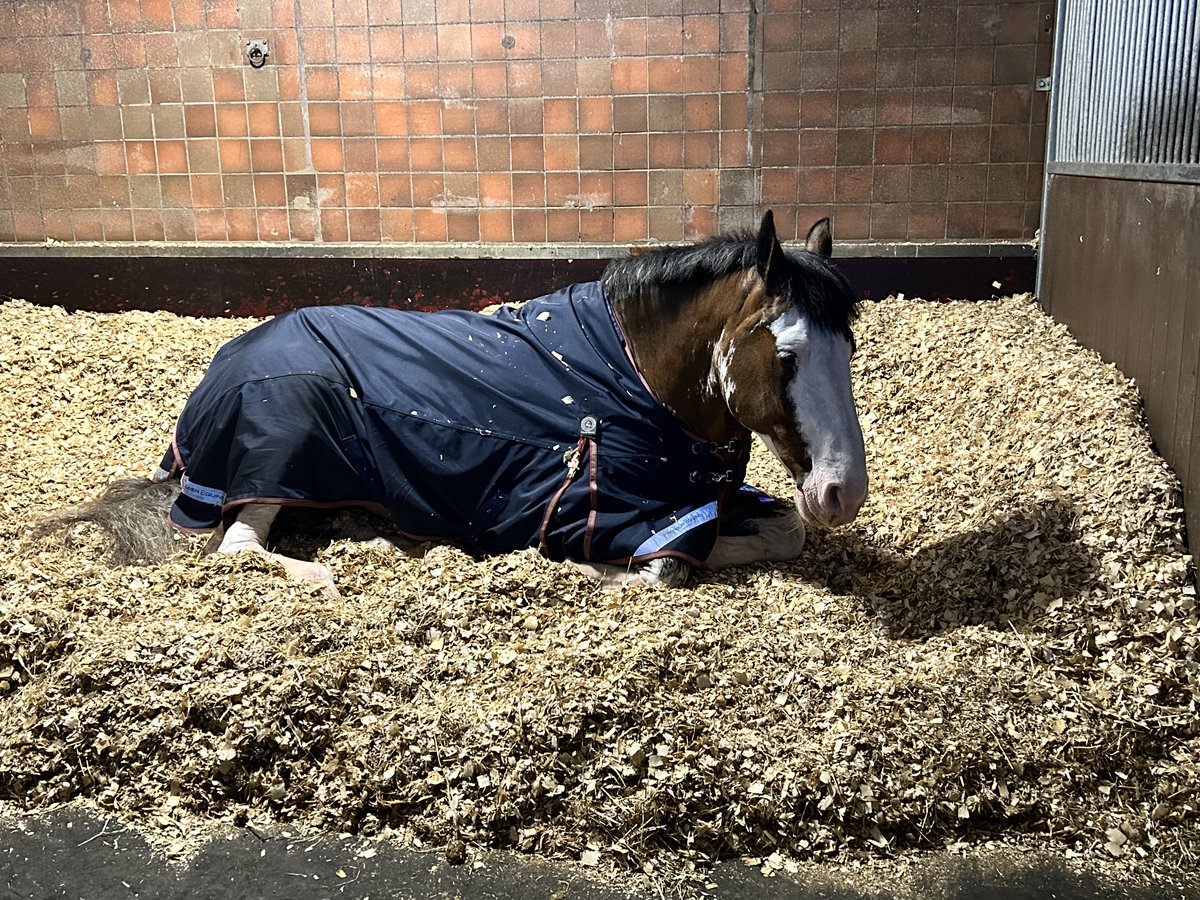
1121	268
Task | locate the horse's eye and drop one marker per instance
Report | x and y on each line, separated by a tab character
787	359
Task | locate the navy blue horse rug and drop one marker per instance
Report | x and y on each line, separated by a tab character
530	427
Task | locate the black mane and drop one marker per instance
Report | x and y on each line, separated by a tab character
820	291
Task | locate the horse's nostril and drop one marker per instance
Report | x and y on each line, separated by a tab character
831	498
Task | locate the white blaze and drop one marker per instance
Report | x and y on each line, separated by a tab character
823	404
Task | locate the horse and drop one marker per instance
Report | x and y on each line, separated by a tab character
608	424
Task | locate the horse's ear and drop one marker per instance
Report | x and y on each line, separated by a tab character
820	239
772	264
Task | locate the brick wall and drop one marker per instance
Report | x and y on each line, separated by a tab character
519	120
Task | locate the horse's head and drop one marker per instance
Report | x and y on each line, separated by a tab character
783	368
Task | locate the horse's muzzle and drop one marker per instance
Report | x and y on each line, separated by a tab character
830	502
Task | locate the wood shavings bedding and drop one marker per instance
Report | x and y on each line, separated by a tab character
1002	647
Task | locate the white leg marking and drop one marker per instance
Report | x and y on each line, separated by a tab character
779	538
249	533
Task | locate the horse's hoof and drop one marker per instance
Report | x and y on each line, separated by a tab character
667	570
310	573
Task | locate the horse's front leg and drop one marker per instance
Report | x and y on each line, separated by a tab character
776	538
249	532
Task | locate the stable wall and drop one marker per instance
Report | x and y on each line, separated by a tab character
597	121
1121	268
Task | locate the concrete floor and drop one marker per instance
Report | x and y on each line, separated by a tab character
71	854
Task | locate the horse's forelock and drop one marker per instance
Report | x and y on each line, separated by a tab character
822	293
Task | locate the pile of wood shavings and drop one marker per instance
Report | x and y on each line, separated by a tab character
1003	647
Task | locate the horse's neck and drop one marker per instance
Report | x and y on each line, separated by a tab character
671	339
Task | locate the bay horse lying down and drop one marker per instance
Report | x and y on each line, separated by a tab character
608	424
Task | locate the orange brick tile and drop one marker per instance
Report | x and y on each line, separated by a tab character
665	75
429	224
628	36
355	83
699	222
323	118
529	225
495	189
666	151
630	188
630	76
148	225
562	188
102	88
269	190
630	225
58	224
529	189
459	154
139	157
110	158
172	156
302	224
358	118
331	189
524	79
596	225
322	83
44	124
387	82
360	155
392	154
362	189
700	188
263	119
396	225
391	119
561	153
495	225
273	225
462	225
424	117
395	190
231	120
426	187
266	155
353	46
561	116
117	224
487	40
327	154
86	226
207	193
425	154
562	225
701	34
595	114
458	120
558	40
221	14
333	225
527	154
594	77
177	191
228	85
235	155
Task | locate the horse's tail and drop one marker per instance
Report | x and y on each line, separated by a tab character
133	513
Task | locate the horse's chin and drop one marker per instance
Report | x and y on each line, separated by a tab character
807	515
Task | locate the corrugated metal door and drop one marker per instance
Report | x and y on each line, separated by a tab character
1125	90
